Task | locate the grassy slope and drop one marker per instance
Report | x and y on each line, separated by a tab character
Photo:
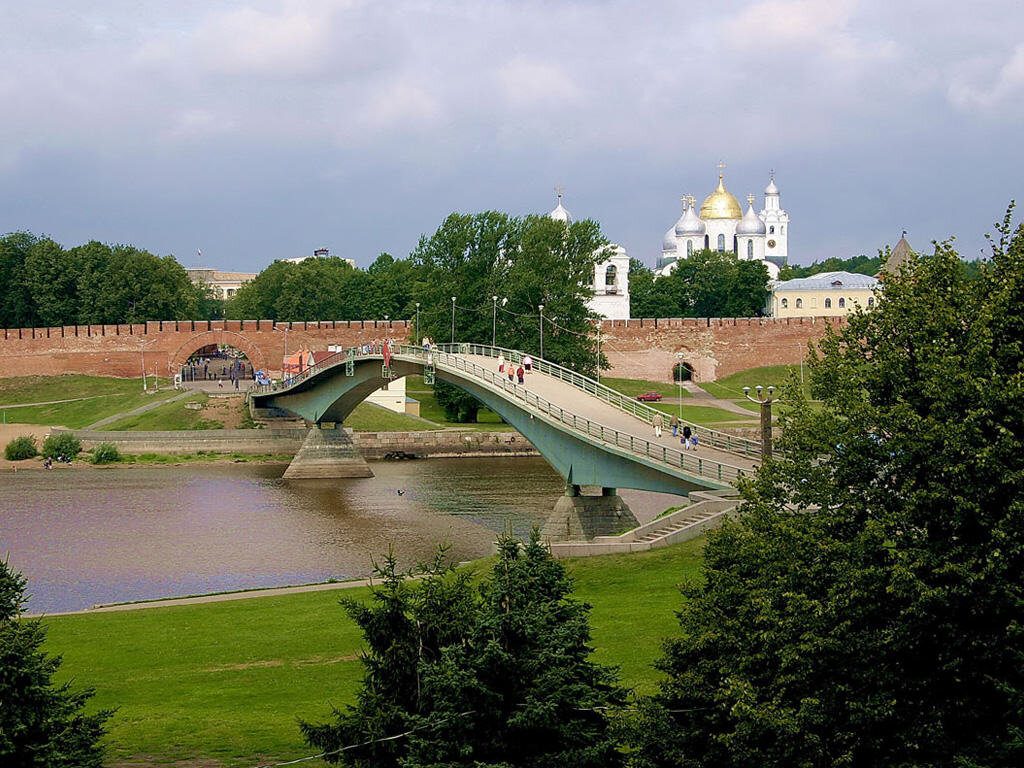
700	414
486	419
171	416
368	417
40	389
634	387
227	680
731	387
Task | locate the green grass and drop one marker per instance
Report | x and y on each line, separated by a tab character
731	387
199	456
634	387
42	389
368	417
700	414
430	409
170	416
226	681
82	413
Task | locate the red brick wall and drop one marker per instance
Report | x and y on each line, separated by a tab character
116	350
715	347
645	349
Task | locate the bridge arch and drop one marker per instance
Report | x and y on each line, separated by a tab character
229	338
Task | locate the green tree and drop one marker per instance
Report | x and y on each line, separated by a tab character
867	608
52	275
17	310
488	677
708	284
41	723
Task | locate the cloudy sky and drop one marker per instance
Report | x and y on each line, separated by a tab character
262	130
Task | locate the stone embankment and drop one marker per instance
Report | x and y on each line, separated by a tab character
370	445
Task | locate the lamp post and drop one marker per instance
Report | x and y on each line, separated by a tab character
540	308
417	339
142	352
678	373
494	321
453	319
598	351
765	398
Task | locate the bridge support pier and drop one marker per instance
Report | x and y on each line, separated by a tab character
578	517
327	453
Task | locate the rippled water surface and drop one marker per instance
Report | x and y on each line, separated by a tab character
132	533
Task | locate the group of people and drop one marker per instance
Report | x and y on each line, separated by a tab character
688	437
509	367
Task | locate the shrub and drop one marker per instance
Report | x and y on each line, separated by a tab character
106	453
63	444
20	448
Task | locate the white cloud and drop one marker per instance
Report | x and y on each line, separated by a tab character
531	83
1006	88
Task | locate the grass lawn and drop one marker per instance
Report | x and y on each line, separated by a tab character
486	419
170	416
706	415
82	413
369	417
226	681
634	387
42	389
731	387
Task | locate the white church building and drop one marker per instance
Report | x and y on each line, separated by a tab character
721	225
611	276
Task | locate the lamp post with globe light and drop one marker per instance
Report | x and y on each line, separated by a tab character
764	398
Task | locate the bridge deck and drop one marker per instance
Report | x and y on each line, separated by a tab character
570	398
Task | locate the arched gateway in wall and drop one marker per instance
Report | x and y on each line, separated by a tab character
229	338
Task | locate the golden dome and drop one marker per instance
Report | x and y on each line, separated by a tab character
720	204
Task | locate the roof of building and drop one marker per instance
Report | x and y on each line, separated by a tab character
215	275
720	204
900	255
825	281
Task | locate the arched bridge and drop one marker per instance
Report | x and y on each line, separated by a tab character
591	434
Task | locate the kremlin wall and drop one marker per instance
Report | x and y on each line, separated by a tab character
636	349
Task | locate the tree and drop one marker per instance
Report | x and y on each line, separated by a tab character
41	723
867	608
495	676
705	284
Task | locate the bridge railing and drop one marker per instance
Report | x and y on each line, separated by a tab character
716	438
672	457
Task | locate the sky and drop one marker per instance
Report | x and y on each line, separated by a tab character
261	130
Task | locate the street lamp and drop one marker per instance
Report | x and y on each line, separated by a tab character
598	351
678	373
142	352
765	400
453	319
417	339
494	321
540	308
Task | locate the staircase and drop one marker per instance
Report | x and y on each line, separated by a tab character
708	510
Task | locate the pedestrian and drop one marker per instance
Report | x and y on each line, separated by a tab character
658	422
687	432
220	383
520	373
501	362
511	374
528	363
674	423
236	384
693	441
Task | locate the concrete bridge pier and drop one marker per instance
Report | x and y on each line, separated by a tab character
579	517
327	452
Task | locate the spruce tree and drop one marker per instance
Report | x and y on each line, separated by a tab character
42	724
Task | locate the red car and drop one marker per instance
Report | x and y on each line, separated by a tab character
649	397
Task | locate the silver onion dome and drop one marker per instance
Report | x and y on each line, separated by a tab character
771	189
560	213
668	243
751	223
690	224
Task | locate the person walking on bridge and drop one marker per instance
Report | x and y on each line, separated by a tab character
674	423
658	422
528	363
501	362
687	433
520	373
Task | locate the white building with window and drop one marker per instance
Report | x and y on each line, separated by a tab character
827	294
721	225
611	276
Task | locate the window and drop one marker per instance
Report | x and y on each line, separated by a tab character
721	243
785	303
689	247
828	303
842	303
871	301
750	249
799	303
610	276
771	230
782	229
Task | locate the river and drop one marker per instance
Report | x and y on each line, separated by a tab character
137	533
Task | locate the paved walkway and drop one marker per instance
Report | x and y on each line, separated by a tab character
575	401
136	411
700	396
216	598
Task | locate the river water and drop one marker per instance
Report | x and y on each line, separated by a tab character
135	533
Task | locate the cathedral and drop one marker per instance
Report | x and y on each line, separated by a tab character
721	225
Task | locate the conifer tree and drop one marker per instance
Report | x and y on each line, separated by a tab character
42	724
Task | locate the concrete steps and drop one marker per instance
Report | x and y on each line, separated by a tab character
709	510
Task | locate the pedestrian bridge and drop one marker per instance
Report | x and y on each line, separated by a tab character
591	434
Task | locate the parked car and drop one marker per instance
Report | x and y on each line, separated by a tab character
649	397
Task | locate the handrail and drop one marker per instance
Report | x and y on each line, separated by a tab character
672	457
742	446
